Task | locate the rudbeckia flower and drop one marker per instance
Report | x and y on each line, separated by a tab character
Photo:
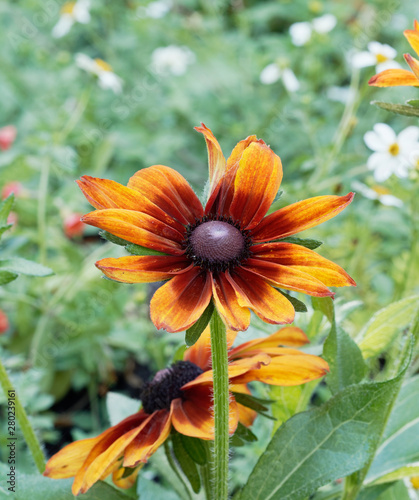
228	251
180	397
402	77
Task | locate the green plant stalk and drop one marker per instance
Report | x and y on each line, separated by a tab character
42	210
175	469
23	421
221	406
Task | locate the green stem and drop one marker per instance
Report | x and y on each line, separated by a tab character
221	405
175	469
42	210
23	420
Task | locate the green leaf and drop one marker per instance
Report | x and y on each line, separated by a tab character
397	491
347	366
298	305
408	471
113	239
4	228
7	277
324	444
196	449
400	445
5	207
256	404
304	242
324	305
180	351
245	434
23	266
120	407
386	325
138	250
186	463
194	332
413	102
398	109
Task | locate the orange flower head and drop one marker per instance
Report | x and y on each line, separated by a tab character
180	397
229	252
402	77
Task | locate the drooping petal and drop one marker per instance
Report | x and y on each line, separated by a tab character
179	303
235	316
414	65
253	292
216	160
138	228
143	269
287	277
151	436
288	336
104	193
167	189
413	38
193	414
121	480
299	216
256	184
305	260
394	78
287	371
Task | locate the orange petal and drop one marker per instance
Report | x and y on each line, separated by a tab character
413	37
299	216
125	482
288	336
239	149
143	269
246	415
104	193
216	160
138	228
287	370
151	436
178	304
167	189
236	317
68	461
255	186
302	259
287	277
253	292
414	64
107	451
394	78
193	414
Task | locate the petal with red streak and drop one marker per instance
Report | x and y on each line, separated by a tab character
178	304
235	316
143	269
253	292
256	184
394	78
240	147
414	65
167	189
138	228
303	259
299	216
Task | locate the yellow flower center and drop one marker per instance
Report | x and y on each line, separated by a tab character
381	58
394	149
68	8
380	190
103	65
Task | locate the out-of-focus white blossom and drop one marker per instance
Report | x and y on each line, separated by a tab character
171	60
273	72
107	79
391	152
155	10
301	32
377	193
71	12
340	94
378	54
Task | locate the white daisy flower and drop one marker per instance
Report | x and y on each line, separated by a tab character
378	54
71	12
172	60
377	193
301	32
272	73
391	151
155	10
107	79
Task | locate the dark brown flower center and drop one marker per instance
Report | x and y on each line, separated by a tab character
166	385
217	245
